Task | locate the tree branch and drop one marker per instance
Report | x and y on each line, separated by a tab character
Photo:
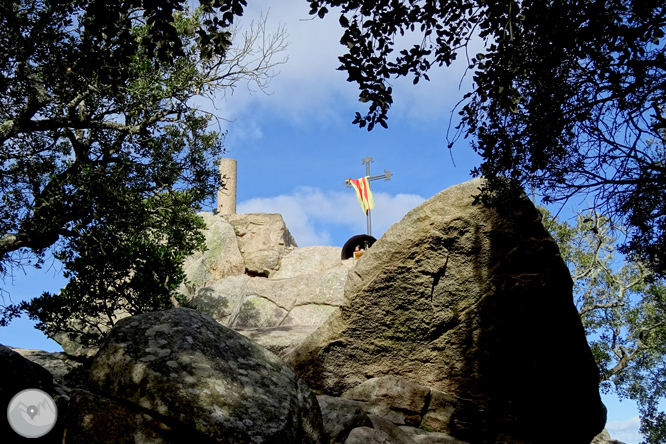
589	308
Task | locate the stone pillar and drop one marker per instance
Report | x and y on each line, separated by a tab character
226	196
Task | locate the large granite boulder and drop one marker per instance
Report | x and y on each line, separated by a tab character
605	438
251	276
471	299
393	431
404	403
369	435
278	340
237	244
420	436
196	375
263	239
223	299
100	420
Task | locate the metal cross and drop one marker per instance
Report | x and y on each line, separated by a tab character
386	176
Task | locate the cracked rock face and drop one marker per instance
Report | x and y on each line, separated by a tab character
306	290
193	373
237	244
222	257
470	300
263	239
396	399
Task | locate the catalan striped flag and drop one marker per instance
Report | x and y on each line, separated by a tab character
362	187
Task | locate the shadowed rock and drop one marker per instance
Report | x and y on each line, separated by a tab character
472	300
340	416
193	373
391	397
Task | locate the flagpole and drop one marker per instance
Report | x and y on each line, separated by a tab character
349	183
367	161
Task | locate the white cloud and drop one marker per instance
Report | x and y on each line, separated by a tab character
625	431
309	86
323	217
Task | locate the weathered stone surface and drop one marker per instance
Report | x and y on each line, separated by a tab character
309	260
242	302
470	300
96	419
223	299
368	435
439	411
278	339
387	426
58	364
256	311
263	239
221	259
72	345
284	285
340	416
71	342
422	437
309	314
605	438
392	397
301	300
190	370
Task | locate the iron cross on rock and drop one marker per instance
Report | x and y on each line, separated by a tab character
386	176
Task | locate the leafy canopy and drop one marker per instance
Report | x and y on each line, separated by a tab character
568	95
623	312
104	156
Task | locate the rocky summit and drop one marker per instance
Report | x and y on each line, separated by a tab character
471	299
457	326
254	276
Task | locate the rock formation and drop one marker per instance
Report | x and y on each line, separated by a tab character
340	417
248	302
252	275
473	301
456	327
263	239
58	364
222	257
392	397
86	417
605	438
267	281
239	244
201	380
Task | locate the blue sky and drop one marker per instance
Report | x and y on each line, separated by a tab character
296	146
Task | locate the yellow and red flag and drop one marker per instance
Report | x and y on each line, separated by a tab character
362	187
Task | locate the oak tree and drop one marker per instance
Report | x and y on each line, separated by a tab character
106	151
623	309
